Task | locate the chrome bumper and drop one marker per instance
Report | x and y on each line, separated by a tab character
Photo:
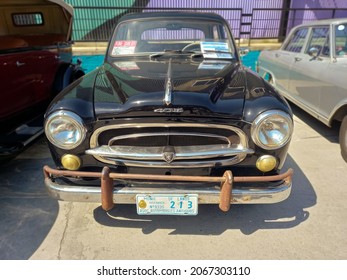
223	193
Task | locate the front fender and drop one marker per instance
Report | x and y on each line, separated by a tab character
261	96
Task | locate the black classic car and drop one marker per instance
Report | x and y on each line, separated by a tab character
171	120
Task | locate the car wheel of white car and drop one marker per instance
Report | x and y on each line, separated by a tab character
343	138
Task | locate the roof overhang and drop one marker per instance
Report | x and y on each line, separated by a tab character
67	7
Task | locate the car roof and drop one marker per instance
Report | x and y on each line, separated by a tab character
176	14
324	21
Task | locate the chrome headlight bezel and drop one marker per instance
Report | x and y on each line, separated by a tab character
70	119
283	129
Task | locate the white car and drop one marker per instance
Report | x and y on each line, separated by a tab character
310	70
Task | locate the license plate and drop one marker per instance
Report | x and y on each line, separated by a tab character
163	204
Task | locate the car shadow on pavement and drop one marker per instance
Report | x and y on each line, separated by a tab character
27	212
211	221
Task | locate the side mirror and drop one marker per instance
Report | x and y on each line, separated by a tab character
314	52
243	51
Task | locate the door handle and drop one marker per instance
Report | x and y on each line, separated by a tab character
19	64
297	59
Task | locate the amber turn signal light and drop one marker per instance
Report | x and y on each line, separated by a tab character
71	162
266	163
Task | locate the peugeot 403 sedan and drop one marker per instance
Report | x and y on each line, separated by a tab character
171	120
310	70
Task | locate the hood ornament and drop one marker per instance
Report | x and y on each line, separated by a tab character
169	154
168	86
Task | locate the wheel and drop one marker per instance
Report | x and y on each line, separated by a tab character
343	138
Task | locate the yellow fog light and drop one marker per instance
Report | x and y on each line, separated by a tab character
266	163
71	162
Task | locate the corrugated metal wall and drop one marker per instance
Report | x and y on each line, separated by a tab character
304	11
94	20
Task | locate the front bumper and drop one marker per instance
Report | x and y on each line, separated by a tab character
222	192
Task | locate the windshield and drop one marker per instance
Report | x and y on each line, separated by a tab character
341	40
169	36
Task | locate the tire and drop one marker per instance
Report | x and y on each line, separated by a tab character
343	138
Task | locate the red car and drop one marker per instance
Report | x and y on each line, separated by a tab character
35	64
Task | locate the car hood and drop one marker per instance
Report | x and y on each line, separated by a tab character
184	87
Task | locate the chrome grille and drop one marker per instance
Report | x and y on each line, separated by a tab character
169	145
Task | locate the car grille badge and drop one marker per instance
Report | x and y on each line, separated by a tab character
169	154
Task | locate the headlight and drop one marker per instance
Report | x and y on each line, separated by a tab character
65	130
272	130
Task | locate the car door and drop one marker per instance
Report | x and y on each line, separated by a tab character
308	72
18	79
277	62
335	73
46	66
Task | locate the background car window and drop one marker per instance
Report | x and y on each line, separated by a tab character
165	34
319	40
27	19
297	41
341	40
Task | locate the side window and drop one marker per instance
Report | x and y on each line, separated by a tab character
320	40
27	19
297	41
341	40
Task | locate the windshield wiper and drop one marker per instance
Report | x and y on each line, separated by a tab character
192	53
217	51
169	52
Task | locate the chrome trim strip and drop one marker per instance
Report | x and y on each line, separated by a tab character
242	147
207	195
156	153
168	86
175	164
139	135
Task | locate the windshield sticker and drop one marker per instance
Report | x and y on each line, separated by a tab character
124	47
212	65
215	50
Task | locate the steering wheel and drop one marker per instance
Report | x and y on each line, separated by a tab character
192	47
